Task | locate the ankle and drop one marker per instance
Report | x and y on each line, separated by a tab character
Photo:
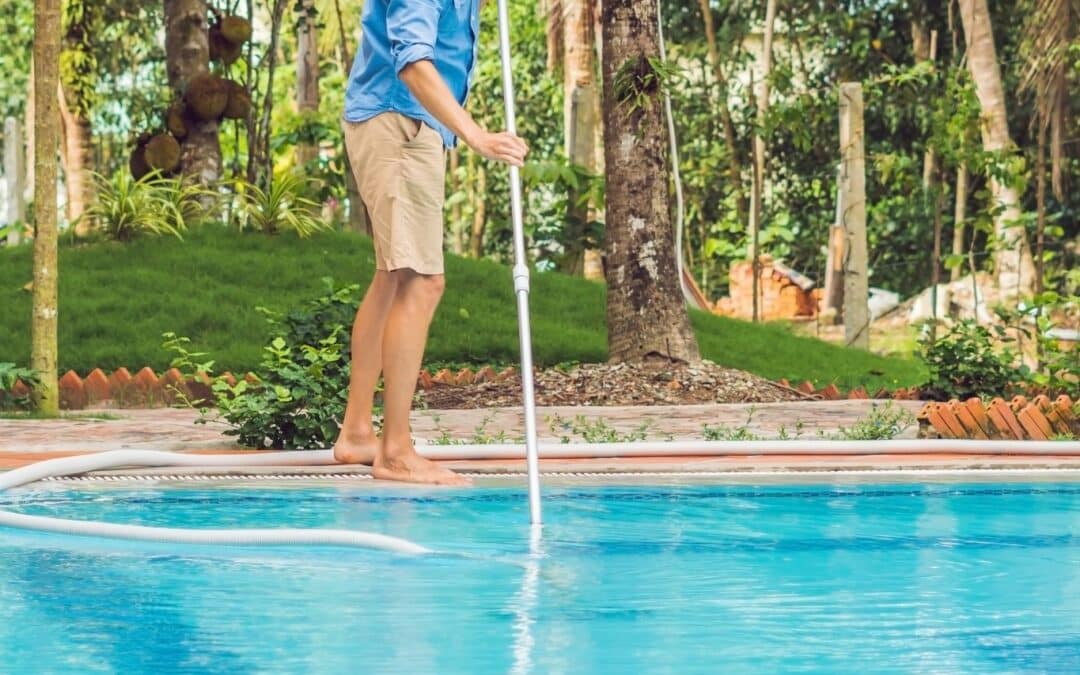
358	432
396	446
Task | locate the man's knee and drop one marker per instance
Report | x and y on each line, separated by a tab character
427	288
431	287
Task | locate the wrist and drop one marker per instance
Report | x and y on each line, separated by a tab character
472	134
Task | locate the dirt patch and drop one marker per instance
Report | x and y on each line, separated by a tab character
617	385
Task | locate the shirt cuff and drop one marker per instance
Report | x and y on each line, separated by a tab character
411	54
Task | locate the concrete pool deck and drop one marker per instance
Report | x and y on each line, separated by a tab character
24	441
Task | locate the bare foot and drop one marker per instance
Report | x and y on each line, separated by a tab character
409	467
356	448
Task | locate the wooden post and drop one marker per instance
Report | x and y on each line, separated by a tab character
853	201
14	179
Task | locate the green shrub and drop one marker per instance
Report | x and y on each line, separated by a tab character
302	384
9	375
1058	368
964	362
124	208
281	208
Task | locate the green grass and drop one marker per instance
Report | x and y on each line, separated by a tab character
117	299
35	415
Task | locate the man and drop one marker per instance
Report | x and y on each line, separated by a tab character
403	105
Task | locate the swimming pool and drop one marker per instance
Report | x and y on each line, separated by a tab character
630	579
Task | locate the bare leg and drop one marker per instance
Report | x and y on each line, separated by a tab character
403	350
357	443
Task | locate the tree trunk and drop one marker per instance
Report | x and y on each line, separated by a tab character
646	314
457	217
187	54
581	114
925	48
260	158
734	161
29	124
307	72
77	154
43	350
756	195
1015	267
476	240
1040	204
959	216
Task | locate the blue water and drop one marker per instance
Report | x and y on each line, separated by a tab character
692	579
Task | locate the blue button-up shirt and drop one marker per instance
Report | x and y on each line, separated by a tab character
400	32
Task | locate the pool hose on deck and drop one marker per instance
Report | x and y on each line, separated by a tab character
230	537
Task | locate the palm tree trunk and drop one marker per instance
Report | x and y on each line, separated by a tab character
43	342
1013	260
187	54
646	314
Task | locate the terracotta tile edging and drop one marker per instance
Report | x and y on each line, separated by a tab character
1037	420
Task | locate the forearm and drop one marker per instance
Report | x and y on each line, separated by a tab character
429	88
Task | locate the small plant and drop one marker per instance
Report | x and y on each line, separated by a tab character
9	375
281	208
739	433
1058	368
125	208
187	362
784	435
642	80
964	363
882	423
481	434
722	433
595	430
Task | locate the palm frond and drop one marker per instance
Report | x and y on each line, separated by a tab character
1049	28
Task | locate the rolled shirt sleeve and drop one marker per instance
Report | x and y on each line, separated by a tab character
412	27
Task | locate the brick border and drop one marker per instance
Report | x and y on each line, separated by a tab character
1039	419
147	389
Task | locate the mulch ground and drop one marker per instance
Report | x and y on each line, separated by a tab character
617	385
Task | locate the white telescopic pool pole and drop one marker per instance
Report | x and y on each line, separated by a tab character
521	279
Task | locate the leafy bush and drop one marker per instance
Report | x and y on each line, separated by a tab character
964	363
281	208
9	375
302	384
1058	368
125	207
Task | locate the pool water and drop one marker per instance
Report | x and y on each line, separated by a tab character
947	578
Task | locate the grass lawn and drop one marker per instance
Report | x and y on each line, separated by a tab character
117	299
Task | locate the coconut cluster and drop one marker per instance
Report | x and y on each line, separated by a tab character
208	98
227	37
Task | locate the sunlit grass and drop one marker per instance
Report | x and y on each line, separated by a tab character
117	299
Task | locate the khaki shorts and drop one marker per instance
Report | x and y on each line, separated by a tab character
400	168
